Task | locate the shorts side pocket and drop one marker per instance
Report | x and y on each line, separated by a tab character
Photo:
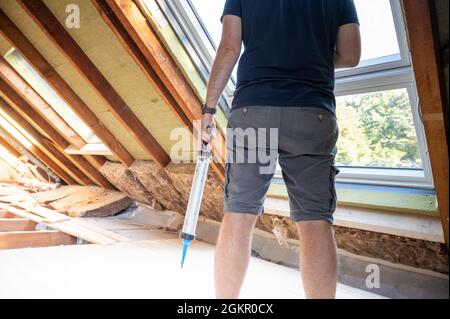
227	179
334	171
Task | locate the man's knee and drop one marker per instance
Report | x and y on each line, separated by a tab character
314	226
240	220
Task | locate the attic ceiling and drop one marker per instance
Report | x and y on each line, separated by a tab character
101	45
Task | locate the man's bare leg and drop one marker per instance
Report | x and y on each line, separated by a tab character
318	259
233	253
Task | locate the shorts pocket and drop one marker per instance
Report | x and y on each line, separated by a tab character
334	171
227	179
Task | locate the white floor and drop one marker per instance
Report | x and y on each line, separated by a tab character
141	269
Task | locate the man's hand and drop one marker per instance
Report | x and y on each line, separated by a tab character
208	128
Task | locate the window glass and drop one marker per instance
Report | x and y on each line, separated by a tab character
47	93
210	12
378	32
379	37
377	130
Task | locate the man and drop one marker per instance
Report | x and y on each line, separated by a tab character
285	81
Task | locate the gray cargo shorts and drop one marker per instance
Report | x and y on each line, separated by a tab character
302	140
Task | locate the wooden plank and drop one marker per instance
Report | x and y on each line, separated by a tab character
49	215
8	73
424	52
83	201
41	156
38	11
26	239
5	214
15	198
398	224
17	39
89	149
16	224
84	171
137	35
68	226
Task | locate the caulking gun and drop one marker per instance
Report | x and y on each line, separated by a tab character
195	198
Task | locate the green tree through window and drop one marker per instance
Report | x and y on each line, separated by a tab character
377	130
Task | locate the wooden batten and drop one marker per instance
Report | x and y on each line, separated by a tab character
38	11
17	39
425	58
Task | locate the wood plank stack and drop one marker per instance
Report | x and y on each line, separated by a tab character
21	214
84	201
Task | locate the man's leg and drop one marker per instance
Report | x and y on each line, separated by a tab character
318	261
248	179
233	253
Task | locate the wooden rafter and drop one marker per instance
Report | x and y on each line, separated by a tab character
9	148
425	58
24	239
5	214
82	169
38	11
22	87
27	111
16	224
140	39
35	152
43	143
10	75
18	40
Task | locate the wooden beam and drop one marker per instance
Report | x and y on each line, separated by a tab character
35	153
5	214
25	239
88	174
11	76
16	224
130	46
43	143
74	226
140	39
53	119
18	40
9	148
96	161
27	111
425	52
38	11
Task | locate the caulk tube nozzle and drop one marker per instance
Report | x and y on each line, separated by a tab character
186	243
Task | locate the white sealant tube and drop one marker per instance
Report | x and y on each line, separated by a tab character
195	198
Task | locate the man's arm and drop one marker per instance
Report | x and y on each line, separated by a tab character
348	46
227	55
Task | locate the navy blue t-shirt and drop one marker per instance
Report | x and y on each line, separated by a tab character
289	49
